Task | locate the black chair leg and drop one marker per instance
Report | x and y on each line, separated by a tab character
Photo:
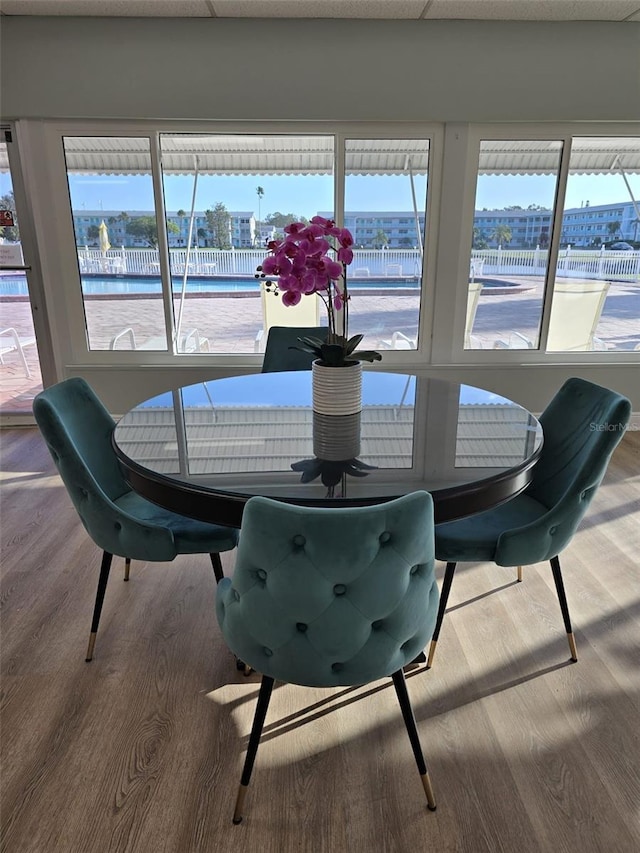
410	722
97	609
564	607
216	562
444	597
264	696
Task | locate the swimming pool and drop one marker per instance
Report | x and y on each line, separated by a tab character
96	285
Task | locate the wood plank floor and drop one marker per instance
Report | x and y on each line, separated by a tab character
140	751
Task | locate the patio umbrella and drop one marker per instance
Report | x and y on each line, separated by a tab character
103	232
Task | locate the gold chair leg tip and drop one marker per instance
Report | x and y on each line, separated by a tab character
237	812
432	652
572	648
92	642
428	790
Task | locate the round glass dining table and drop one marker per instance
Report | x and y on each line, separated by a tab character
203	450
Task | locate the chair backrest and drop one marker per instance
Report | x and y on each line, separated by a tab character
323	596
276	313
77	429
278	356
575	314
582	426
475	288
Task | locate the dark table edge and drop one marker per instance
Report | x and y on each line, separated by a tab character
225	507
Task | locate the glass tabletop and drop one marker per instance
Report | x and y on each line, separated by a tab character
258	435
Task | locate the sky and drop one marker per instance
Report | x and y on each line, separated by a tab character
305	195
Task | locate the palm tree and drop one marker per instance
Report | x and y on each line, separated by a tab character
613	228
380	240
259	193
501	234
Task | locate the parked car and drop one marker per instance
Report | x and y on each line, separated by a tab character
621	247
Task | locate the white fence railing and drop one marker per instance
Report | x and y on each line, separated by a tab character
572	263
367	263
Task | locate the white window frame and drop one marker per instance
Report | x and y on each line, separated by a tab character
58	247
462	149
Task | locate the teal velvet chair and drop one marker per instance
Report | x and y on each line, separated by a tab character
77	429
328	597
582	426
278	355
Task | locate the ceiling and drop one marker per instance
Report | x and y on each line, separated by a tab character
488	10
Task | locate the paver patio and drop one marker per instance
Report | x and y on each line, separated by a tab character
231	324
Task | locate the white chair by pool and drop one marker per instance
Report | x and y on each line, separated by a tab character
399	340
276	313
10	341
575	314
191	341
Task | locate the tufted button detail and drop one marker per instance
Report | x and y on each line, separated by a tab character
337	667
377	625
299	540
414	570
553	530
339	589
384	537
262	574
84	493
267	651
117	525
236	595
301	626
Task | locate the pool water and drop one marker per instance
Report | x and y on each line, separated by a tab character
14	285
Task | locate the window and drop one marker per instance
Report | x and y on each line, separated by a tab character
118	251
511	265
596	296
385	182
233	194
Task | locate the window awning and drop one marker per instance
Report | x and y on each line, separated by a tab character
248	154
589	156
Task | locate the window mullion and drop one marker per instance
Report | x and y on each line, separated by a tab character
163	243
554	246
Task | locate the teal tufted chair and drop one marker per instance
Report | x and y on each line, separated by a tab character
582	426
326	597
77	429
278	355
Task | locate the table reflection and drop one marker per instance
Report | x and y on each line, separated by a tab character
251	434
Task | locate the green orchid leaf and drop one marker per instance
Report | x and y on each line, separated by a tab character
352	343
354	472
368	355
360	464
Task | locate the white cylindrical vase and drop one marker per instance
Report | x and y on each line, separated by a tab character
337	390
336	438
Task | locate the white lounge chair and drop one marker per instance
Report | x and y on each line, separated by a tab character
575	314
475	289
191	341
399	340
10	341
276	313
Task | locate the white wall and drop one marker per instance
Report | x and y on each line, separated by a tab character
319	69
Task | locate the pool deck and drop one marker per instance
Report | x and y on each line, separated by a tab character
231	323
